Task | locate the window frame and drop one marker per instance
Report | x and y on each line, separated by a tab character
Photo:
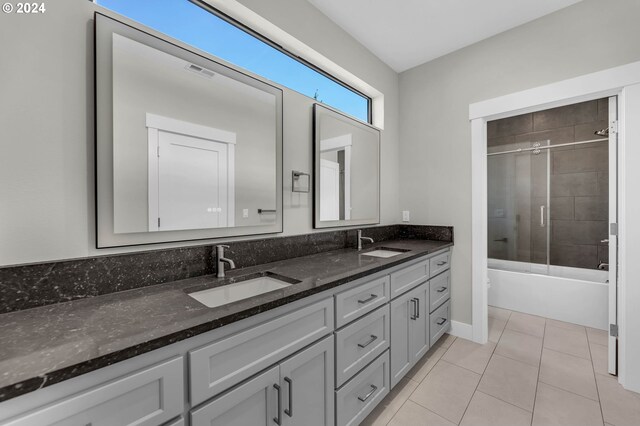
239	25
207	7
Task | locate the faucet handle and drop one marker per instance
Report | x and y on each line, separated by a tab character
222	246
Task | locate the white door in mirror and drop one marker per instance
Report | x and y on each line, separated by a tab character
329	190
192	177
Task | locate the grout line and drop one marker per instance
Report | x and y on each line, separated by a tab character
568	391
431	411
506	402
593	369
535	395
495	345
567	354
396	412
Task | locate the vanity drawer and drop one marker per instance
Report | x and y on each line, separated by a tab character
439	290
147	397
440	263
356	302
360	342
440	322
409	277
359	396
221	365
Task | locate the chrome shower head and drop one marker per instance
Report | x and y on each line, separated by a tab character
602	132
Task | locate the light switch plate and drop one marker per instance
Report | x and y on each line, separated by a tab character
405	216
245	213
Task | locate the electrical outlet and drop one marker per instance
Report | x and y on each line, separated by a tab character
405	216
245	213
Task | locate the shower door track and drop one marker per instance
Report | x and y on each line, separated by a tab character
548	141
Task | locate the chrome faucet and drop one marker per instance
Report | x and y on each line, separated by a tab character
222	260
360	238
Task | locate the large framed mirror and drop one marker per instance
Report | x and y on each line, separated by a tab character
186	147
346	170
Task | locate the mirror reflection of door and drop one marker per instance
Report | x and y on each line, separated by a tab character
329	190
335	178
191	173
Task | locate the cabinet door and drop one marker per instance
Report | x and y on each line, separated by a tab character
401	314
419	326
307	386
254	403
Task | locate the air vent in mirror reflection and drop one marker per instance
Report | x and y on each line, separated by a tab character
200	71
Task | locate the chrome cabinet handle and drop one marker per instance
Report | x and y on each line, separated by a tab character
542	216
413	309
441	289
368	299
444	262
289	411
370	341
278	419
417	308
374	388
441	321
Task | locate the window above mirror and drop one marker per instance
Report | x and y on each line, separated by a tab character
198	25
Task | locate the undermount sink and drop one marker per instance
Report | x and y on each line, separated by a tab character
243	288
384	252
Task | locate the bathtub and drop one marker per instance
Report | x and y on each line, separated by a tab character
575	295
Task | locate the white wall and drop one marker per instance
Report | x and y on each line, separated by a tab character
46	122
435	152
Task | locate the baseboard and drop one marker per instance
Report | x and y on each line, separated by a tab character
461	329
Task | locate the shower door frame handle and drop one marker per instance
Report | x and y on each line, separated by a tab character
542	216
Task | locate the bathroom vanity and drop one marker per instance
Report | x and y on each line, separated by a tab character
308	330
324	350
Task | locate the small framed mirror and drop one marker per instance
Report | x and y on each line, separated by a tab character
186	148
346	170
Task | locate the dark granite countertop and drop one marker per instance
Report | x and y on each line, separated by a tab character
49	344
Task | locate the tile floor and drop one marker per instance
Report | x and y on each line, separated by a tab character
533	371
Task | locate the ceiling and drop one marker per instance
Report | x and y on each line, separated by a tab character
406	33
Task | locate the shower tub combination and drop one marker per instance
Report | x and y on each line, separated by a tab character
575	295
548	212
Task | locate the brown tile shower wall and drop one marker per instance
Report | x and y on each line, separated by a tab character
579	180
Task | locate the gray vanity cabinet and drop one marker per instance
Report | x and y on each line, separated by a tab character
148	397
254	402
306	380
409	330
298	391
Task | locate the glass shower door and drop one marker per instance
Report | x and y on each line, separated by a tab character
518	207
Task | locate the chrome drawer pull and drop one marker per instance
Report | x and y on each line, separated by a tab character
444	262
368	299
289	411
374	388
413	309
417	308
278	419
441	321
441	289
373	339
